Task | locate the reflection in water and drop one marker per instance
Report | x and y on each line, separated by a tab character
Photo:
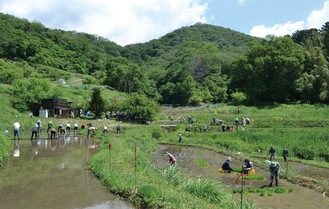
52	174
16	149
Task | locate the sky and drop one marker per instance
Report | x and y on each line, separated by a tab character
137	21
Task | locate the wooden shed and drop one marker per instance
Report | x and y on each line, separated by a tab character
58	108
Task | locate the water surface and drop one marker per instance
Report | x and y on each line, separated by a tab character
53	174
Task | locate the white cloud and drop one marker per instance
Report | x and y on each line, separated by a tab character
124	21
317	18
277	30
243	2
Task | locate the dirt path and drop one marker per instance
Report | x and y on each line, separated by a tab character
301	197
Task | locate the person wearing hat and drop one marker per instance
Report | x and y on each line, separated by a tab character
172	159
226	165
274	169
61	130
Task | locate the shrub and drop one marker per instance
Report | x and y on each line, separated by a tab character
306	153
156	134
324	153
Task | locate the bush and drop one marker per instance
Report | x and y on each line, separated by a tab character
238	97
306	153
156	134
324	153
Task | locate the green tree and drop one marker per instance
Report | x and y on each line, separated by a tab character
28	92
313	84
116	104
125	76
269	70
97	103
139	107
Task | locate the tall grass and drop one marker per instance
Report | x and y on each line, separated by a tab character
4	148
149	186
303	129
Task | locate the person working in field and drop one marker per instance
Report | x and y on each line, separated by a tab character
76	128
272	153
105	129
285	154
16	127
91	130
172	159
274	169
61	130
180	138
118	128
226	165
68	127
248	166
50	125
35	130
53	133
7	133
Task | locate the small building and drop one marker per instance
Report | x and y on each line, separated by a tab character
58	108
43	113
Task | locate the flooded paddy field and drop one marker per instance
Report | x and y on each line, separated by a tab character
188	158
53	174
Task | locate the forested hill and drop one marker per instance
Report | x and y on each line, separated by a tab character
194	64
225	39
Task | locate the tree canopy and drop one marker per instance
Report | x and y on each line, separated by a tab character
195	64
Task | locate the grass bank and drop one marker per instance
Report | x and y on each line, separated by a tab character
133	175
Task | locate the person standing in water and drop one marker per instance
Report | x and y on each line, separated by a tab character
16	127
172	159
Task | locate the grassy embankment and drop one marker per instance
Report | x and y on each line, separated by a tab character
147	185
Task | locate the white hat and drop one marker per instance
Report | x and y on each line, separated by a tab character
228	158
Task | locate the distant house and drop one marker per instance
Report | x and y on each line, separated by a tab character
56	107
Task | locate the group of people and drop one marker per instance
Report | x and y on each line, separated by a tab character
51	130
118	129
61	129
272	153
248	166
219	123
274	167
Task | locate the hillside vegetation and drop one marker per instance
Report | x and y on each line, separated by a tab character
189	66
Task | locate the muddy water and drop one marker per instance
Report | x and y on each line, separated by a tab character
52	174
188	160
